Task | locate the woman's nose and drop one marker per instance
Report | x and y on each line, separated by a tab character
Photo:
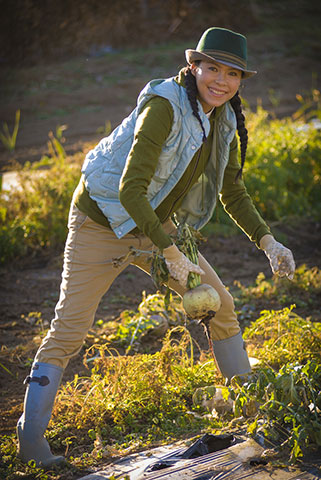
221	77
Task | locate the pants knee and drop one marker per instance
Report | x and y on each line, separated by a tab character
225	323
227	302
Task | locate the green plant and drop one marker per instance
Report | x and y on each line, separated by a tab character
286	385
279	337
310	107
6	369
289	406
135	400
34	216
283	170
9	140
304	290
134	325
106	129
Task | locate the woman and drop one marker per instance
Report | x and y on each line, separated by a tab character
175	153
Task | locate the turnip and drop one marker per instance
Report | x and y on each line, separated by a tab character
201	301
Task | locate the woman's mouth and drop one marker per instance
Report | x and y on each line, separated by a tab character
216	92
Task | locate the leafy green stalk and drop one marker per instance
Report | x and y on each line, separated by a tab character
186	242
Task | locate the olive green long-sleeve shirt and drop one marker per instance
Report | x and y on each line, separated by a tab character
152	128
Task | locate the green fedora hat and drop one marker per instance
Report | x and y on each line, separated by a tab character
224	46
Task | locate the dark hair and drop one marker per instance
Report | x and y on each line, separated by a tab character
191	90
241	130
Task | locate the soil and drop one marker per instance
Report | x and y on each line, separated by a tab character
84	92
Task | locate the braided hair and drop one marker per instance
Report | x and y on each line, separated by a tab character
241	130
191	90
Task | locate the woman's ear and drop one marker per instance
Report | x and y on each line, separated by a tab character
193	68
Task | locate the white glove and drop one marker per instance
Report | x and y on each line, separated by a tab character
179	266
281	258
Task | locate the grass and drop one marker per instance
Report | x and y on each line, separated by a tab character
9	139
34	216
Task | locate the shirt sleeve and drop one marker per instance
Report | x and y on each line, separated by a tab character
152	128
238	203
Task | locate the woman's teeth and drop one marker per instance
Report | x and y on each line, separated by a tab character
216	92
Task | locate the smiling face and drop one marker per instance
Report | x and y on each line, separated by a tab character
216	83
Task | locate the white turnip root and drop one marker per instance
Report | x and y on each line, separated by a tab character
201	301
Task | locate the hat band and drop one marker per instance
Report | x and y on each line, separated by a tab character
226	57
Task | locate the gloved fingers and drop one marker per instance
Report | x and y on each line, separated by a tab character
274	263
195	269
287	266
180	269
282	261
178	272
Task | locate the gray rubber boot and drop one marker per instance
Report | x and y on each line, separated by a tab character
43	384
231	356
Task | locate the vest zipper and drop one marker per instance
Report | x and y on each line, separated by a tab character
188	184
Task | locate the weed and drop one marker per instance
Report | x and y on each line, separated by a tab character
154	312
106	129
6	369
34	216
289	411
310	107
283	172
127	403
138	399
279	337
303	291
9	140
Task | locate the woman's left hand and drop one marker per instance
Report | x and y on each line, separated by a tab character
280	257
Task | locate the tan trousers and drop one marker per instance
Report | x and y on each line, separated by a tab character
89	272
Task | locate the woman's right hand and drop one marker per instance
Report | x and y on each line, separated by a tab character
179	266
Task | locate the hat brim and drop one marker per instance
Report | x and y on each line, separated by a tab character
193	55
